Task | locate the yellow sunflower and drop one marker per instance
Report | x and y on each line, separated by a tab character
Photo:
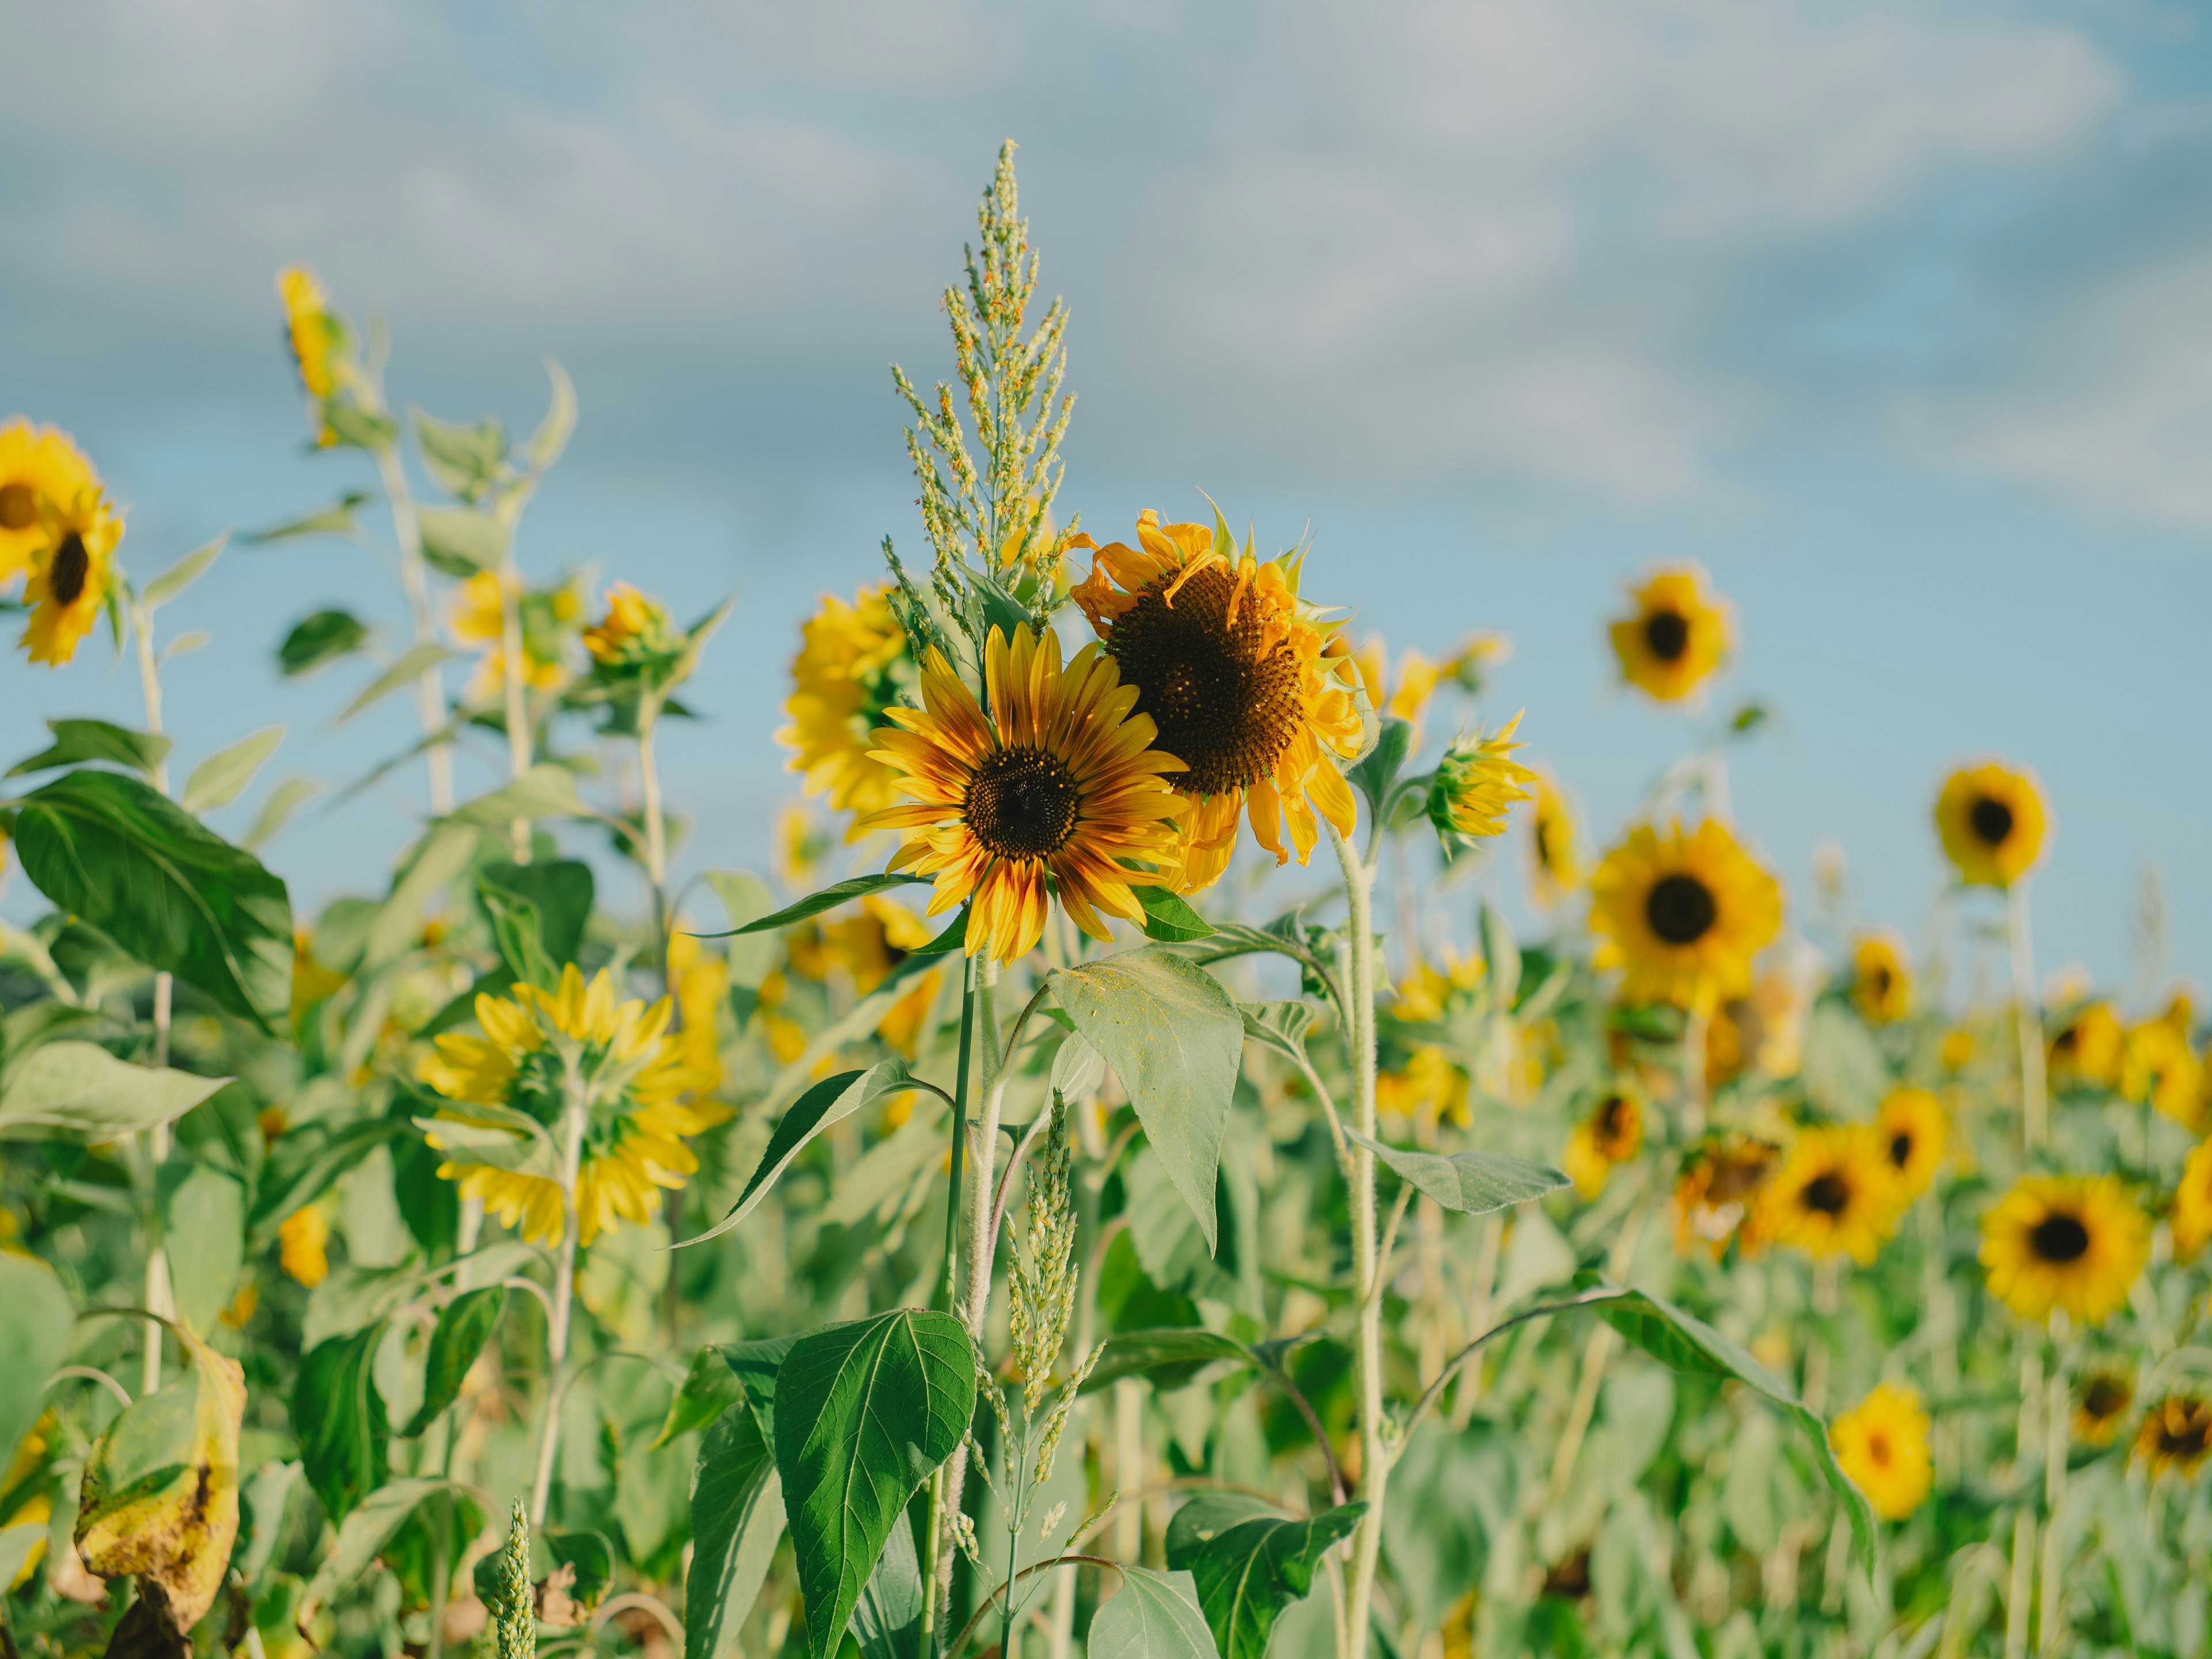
1881	978
1682	913
1418	679
636	632
302	1241
319	341
1474	784
2176	1435
852	667
2100	1401
40	466
636	1074
2192	1203
549	618
701	980
1832	1196
1719	1188
1555	867
71	575
2180	1012
1054	794
1993	823
1248	686
1883	1444
1611	1134
1425	992
2088	1047
2156	1065
2064	1242
1910	1129
1430	1087
1680	634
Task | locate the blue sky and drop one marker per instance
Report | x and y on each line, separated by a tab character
1895	315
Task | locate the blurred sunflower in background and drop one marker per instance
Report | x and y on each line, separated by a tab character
2192	1203
2176	1436
41	468
1555	870
549	619
853	667
1419	680
636	635
2157	1067
1475	783
321	345
1883	1444
1678	636
1881	978
1993	823
1832	1195
2100	1401
2064	1242
1055	795
2088	1047
1613	1133
1429	1087
71	574
1910	1129
1682	913
1719	1188
1245	682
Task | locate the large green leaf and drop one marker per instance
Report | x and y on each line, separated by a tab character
828	899
827	1103
221	778
1154	1615
1169	1357
1250	1561
560	890
174	894
35	1318
865	1411
338	1415
464	1325
203	1220
76	742
1175	1039
709	1388
1475	1182
887	1618
737	1518
72	1091
1168	918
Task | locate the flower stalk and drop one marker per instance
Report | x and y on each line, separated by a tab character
575	1107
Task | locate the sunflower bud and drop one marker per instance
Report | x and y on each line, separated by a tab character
1473	784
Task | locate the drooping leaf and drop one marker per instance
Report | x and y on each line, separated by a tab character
589	1556
1170	1357
1249	1561
1176	1040
79	741
72	1091
221	778
1281	1026
828	899
828	1102
320	639
552	434
1474	1183
1170	918
864	1410
559	892
464	1325
1154	1615
177	897
887	1618
335	520
737	1518
709	1388
338	1415
183	574
205	1222
35	1318
413	664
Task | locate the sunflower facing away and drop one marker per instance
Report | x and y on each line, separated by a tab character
2100	1402
1611	1134
71	575
1680	634
1476	783
851	668
1993	822
2064	1242
2176	1435
2088	1047
40	470
1555	868
1910	1129
2192	1203
319	340
1881	978
1883	1444
1832	1196
1054	794
1682	913
637	1074
1247	686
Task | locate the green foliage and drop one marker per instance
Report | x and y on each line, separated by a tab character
319	639
1249	1561
464	1325
338	1412
1154	1615
79	741
736	1520
1474	1183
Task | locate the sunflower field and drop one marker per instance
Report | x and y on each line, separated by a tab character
1110	1187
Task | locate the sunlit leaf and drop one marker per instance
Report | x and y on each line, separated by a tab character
78	741
71	1090
1154	1615
1474	1183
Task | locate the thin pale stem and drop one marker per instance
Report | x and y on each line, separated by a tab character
2035	1097
518	691
413	577
1594	1356
2057	1427
155	1140
575	1108
1469	1369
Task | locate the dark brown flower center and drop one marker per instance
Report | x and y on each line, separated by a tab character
2059	1237
19	507
1991	819
2185	1429
1879	981
1828	1193
1900	1148
1680	908
1225	706
1878	1448
1022	803
65	576
1667	634
2105	1396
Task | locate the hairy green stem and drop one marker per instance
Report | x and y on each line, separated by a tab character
575	1106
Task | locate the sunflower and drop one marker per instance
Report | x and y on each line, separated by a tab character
1881	978
1678	636
634	635
549	618
2088	1047
2064	1242
1719	1188
38	465
1429	1087
1993	823
2156	1065
70	575
2180	1012
2192	1203
1883	1444
1055	793
302	1245
1247	685
635	1074
1910	1129
1555	868
1682	912
319	341
1474	783
2176	1435
2101	1401
1832	1196
1418	679
699	978
1426	991
853	666
1611	1134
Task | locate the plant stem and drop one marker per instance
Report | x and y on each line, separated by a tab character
156	1141
2057	1428
1594	1356
2034	1103
574	1107
976	1011
518	713
430	686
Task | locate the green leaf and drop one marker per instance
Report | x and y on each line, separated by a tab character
1248	1562
358	428
591	1556
174	894
1281	1026
545	791
552	434
827	1103
35	1321
737	1518
1474	1183
559	893
335	520
1154	1615
755	1364
301	1166
413	664
284	800
1168	919
463	459
1374	776
72	1091
464	1325
321	638
1686	1343
182	574
865	1411
887	1618
205	1221
460	542
1076	1067
221	778
373	1525
76	742
1174	1039
828	899
1170	1359
338	1415
709	1388
744	895
1502	952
